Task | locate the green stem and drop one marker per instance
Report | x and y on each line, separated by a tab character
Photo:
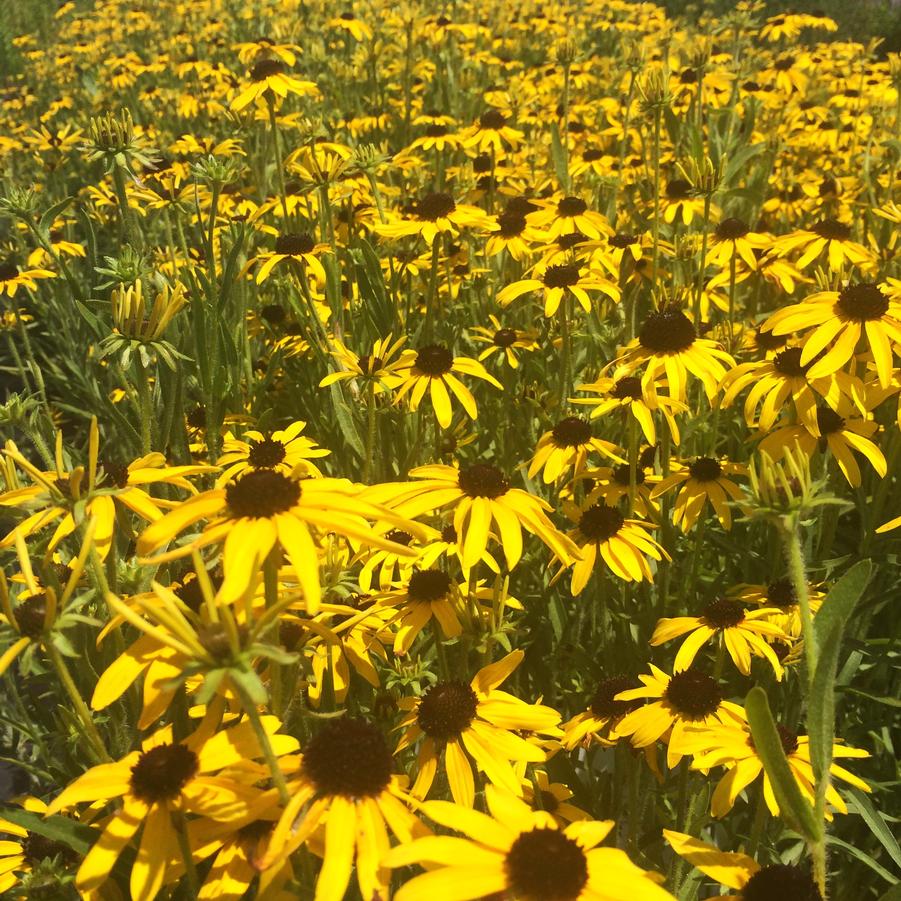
370	430
278	777
144	402
181	830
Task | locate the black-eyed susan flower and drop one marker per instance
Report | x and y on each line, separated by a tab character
733	238
743	874
554	282
669	347
781	602
379	368
481	495
827	236
492	133
284	450
598	722
350	24
165	776
519	852
553	797
24	851
731	745
453	721
780	379
686	698
511	232
744	634
705	479
298	247
621	391
681	202
269	79
12	278
264	509
841	433
435	369
569	215
345	780
433	215
623	544
833	323
567	446
504	340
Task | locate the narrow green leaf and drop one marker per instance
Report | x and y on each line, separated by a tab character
873	818
864	858
792	803
49	217
344	419
61	829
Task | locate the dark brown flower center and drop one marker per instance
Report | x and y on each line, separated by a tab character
273	313
293	245
781	593
435	206
731	229
436	130
162	772
863	302
290	633
693	695
781	882
37	848
678	189
266	454
561	276
570	207
8	271
571	432
667	331
348	757
600	523
434	360
261	494
266	68
592	154
512	223
428	585
483	480
493	119
623	241
622	475
722	614
788	738
30	616
504	337
828	421
768	341
788	362
546	865
446	710
628	387
604	704
705	469
832	230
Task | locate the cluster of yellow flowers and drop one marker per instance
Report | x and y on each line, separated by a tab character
371	383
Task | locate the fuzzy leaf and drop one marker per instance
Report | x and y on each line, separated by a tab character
793	805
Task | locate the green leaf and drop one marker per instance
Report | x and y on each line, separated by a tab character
345	422
886	699
829	629
49	217
863	857
893	894
873	818
793	805
842	598
61	829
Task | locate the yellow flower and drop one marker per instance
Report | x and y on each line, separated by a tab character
742	632
781	602
301	248
568	445
433	215
25	850
263	510
504	340
455	719
830	236
622	544
742	873
834	322
12	278
518	852
555	282
706	479
378	368
285	451
604	712
162	777
481	495
731	745
434	368
686	698
269	79
345	782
